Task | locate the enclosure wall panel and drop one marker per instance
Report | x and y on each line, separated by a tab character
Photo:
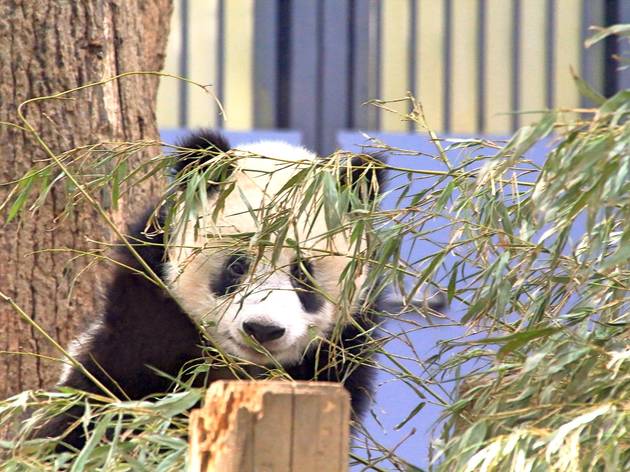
311	65
169	95
567	53
498	59
533	79
203	66
395	62
238	72
430	57
464	56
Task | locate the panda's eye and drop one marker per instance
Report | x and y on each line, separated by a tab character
237	265
229	279
302	272
302	278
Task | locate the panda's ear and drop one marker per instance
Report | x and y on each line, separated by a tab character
364	172
197	149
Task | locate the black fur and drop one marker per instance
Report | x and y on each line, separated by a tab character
311	299
142	327
230	278
210	142
197	150
345	361
366	174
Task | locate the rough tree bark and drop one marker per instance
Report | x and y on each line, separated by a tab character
48	46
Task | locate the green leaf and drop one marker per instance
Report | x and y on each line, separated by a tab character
587	91
452	282
23	192
411	415
82	460
620	100
517	340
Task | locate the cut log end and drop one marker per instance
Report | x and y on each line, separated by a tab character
271	426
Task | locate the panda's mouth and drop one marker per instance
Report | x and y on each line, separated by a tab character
254	350
262	355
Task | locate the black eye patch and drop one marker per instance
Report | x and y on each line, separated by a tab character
234	270
302	276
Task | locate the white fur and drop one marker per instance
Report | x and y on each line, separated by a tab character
197	255
76	347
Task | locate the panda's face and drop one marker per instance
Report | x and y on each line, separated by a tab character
248	303
258	303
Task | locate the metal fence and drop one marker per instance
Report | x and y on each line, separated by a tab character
310	65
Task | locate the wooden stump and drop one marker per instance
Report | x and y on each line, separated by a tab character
260	426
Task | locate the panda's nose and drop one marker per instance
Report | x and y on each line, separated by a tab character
263	332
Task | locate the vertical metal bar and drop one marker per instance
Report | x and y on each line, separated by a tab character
283	66
413	54
335	66
481	66
448	18
364	69
611	49
183	66
319	76
265	63
623	75
304	70
378	59
516	69
220	58
592	69
550	38
350	64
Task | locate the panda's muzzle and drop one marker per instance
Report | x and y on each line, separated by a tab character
263	332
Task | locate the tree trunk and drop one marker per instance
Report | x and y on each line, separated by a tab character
48	46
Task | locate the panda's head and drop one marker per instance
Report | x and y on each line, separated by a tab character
256	259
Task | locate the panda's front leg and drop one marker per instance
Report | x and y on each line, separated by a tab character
142	332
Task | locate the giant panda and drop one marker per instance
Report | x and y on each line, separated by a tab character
287	310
